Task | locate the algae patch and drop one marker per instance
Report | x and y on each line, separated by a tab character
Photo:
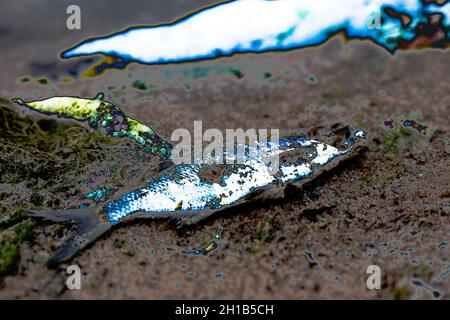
10	241
399	134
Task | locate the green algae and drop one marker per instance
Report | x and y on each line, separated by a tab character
398	137
42	81
394	141
237	73
25	79
140	85
11	240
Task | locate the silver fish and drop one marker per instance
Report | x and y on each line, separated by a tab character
189	193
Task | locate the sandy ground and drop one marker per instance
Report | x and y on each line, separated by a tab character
390	207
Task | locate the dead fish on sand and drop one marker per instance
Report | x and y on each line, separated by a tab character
188	193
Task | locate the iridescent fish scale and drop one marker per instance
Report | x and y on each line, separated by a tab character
182	189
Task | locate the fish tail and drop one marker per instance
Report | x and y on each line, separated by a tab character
87	227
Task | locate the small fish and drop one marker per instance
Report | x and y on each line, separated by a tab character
100	114
189	193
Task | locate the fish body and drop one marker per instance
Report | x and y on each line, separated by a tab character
188	193
186	188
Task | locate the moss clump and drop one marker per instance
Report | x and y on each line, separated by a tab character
10	241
